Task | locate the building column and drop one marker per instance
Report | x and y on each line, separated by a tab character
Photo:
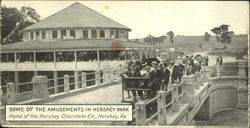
40	35
58	34
146	53
35	73
107	34
132	50
55	81
24	36
89	33
34	35
17	81
76	74
34	55
54	59
75	53
67	32
98	60
47	35
140	54
15	55
97	74
125	56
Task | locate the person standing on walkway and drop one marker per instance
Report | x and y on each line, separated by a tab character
165	77
177	72
219	61
155	78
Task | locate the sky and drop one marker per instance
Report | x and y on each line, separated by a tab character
157	18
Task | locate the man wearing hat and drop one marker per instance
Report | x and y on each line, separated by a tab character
165	77
155	76
177	73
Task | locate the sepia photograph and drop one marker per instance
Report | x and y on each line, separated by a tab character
124	63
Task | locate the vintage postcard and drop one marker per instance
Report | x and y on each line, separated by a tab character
124	63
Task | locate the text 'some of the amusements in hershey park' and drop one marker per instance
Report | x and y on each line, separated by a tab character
68	112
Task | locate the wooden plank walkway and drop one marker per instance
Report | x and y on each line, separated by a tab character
107	95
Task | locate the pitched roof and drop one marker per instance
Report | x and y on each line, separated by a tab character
76	16
67	45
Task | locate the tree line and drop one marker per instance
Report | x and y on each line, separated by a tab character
222	33
154	40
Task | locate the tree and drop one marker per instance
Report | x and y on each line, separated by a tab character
216	31
223	35
161	39
150	39
207	36
14	21
171	35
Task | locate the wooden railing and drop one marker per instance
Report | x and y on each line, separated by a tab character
12	94
168	101
174	94
126	87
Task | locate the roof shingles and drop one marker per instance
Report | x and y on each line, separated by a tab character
76	16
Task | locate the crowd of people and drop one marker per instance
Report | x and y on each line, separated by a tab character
161	74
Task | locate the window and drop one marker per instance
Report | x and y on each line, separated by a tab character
63	33
43	35
72	33
112	55
31	36
88	56
37	35
102	34
85	34
65	56
45	57
117	34
25	57
112	34
7	57
93	33
54	34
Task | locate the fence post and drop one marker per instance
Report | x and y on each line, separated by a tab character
10	93
161	104
175	105
140	115
76	77
66	83
97	77
40	83
84	78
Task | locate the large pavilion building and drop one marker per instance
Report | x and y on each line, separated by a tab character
74	40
